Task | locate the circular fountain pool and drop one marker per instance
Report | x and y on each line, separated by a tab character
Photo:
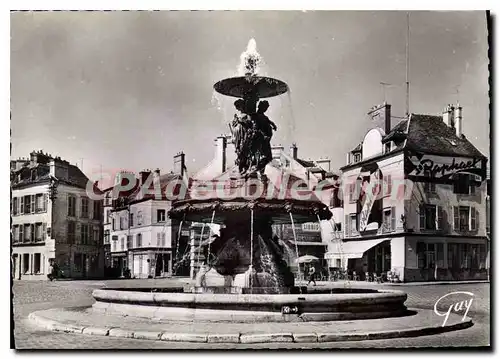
320	305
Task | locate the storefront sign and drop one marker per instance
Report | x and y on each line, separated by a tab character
442	167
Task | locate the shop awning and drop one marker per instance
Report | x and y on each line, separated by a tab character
356	249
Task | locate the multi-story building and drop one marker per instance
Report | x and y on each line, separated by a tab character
143	240
107	208
414	200
53	219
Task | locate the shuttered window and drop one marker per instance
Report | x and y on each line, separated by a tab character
473	219
439	218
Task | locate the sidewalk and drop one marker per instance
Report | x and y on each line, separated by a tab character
84	321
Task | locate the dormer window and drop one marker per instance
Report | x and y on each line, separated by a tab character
387	147
357	157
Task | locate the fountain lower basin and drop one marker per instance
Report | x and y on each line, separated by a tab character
175	304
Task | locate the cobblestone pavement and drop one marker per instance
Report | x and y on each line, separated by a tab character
30	296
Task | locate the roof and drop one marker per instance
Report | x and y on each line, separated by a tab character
75	176
357	148
305	163
429	134
398	132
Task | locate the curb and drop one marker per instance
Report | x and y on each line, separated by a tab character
247	338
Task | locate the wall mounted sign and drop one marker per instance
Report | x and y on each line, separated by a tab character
418	164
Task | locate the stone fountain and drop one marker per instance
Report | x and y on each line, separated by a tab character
245	277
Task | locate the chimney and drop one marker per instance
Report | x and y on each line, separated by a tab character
220	152
293	151
449	116
59	168
180	163
276	151
381	117
33	158
348	158
458	120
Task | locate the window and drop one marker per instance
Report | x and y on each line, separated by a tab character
353	193
461	217
351	224
95	236
33	201
431	217
139	218
389	220
27	233
473	219
429	185
21	233
85	208
22	205
15	234
130	244
462	184
122	222
440	255
71	206
387	147
71	232
430	254
131	219
122	243
29	204
106	236
388	185
38	232
39	203
36	263
113	225
26	263
78	262
161	239
160	215
15	206
97	210
84	234
138	240
357	157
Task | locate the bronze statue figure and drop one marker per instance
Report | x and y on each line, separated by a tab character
252	131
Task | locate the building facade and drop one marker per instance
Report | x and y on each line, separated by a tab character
54	220
414	200
144	242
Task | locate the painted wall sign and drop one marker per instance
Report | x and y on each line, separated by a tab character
442	167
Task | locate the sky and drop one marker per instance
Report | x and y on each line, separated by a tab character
129	90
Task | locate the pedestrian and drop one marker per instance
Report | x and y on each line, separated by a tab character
312	272
51	272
